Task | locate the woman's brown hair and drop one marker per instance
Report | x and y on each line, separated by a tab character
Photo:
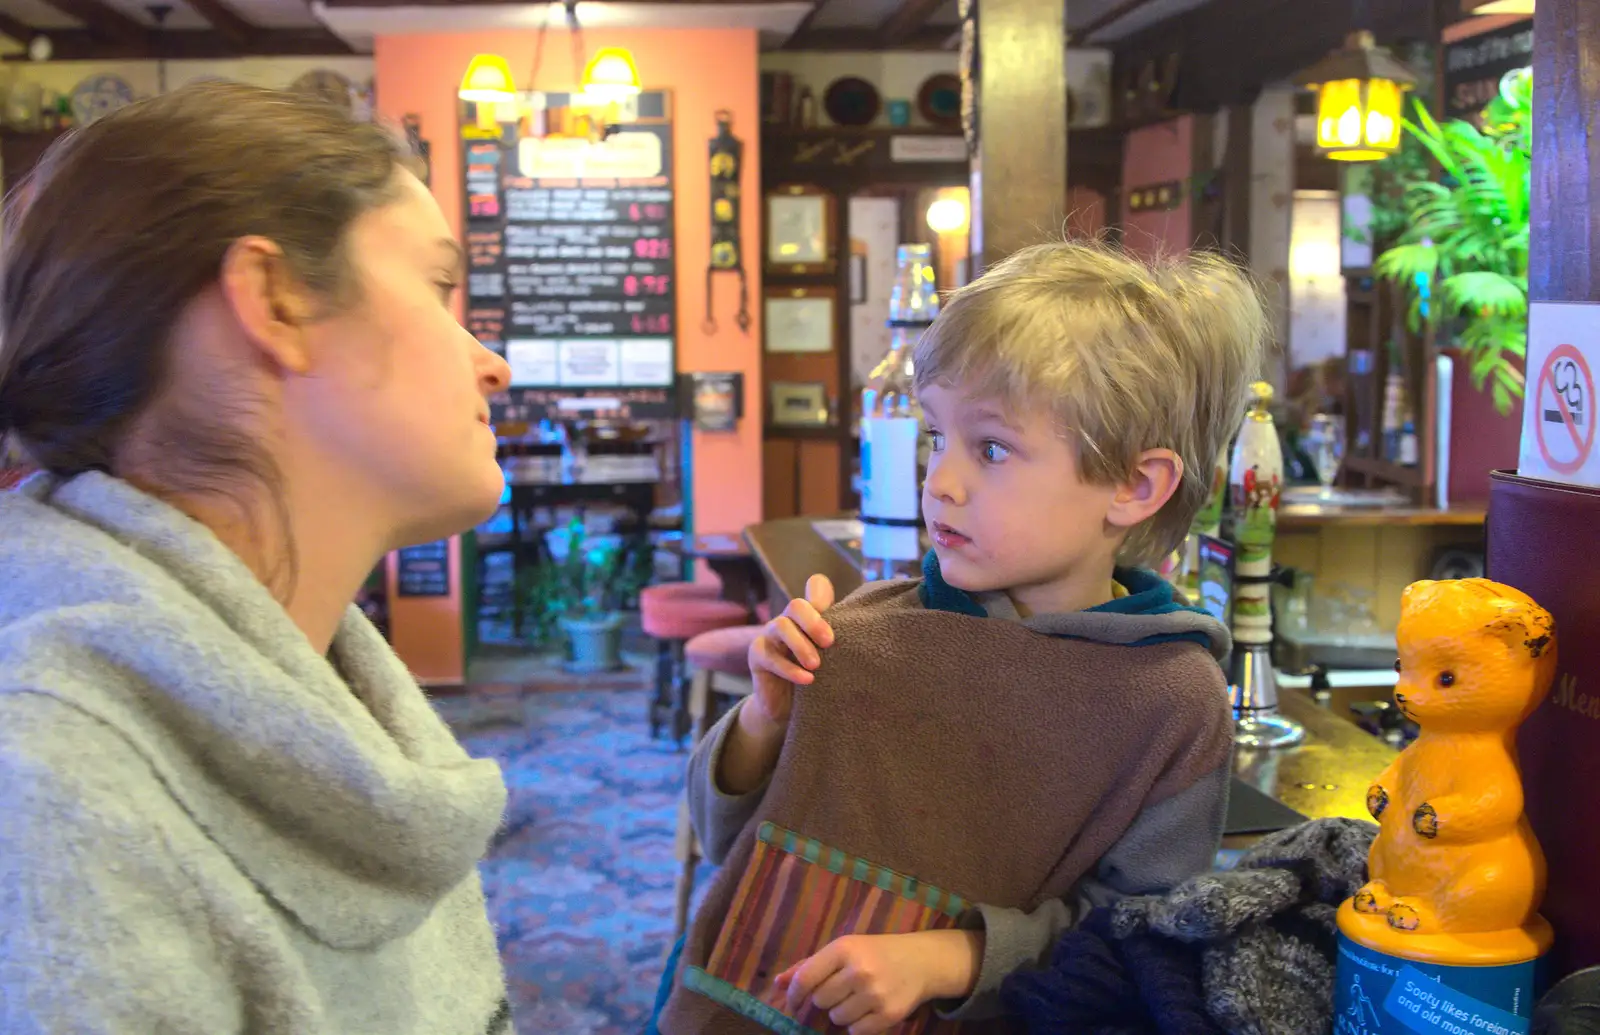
125	222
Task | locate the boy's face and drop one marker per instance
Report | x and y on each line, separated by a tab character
1006	506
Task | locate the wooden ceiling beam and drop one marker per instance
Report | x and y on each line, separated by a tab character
102	20
15	29
908	18
805	24
457	3
194	44
1266	41
1110	17
225	20
927	38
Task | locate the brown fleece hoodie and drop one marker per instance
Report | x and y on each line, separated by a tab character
914	785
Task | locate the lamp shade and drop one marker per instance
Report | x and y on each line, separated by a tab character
488	80
1360	89
1481	7
611	74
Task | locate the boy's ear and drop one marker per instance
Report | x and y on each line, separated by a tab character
1156	476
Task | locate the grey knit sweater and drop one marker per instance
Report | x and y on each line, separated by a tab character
208	827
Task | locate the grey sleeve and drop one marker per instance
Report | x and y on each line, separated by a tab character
100	931
1167	843
718	817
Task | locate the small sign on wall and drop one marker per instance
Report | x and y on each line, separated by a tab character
1162	197
424	570
927	148
1558	410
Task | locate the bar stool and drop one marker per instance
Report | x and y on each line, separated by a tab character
674	613
719	661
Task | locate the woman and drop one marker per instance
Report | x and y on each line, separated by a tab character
228	346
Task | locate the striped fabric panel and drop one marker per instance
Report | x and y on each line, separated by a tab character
796	896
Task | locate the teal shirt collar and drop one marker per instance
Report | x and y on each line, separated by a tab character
1148	594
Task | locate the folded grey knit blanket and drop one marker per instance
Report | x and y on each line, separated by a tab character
1252	950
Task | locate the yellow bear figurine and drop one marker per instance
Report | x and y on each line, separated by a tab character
1454	856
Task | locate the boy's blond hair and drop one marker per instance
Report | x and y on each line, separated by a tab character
1127	355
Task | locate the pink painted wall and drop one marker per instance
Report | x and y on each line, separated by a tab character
1086	212
706	70
1154	155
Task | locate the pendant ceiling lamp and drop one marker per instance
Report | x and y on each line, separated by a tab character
1360	89
611	75
1481	7
488	81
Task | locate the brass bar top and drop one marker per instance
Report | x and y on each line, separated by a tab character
1326	775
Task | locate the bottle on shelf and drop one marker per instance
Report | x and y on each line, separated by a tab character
893	454
1408	442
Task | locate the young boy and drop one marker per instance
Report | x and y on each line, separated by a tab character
1037	726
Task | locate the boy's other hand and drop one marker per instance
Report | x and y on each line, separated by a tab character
870	983
788	650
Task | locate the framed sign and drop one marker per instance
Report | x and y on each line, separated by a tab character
572	257
423	570
800	319
799	229
799	403
718	400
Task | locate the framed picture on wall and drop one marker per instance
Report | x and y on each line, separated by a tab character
799	403
800	319
799	230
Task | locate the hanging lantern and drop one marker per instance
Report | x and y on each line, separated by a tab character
1360	89
611	75
488	81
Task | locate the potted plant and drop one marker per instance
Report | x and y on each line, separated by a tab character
1462	257
582	589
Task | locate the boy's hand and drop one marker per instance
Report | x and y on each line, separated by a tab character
788	650
870	983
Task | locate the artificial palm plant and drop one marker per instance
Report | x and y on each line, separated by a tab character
1463	256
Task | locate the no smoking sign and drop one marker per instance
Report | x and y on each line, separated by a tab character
1559	414
1565	398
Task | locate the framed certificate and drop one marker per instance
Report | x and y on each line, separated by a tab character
799	229
800	319
799	403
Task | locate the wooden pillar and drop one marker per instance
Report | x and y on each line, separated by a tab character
1021	165
1564	253
1544	538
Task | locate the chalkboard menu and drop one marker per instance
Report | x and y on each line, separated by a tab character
1473	67
424	571
571	271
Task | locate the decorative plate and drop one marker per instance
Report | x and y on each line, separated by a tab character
99	95
851	101
939	100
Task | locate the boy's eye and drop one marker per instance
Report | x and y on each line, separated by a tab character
994	452
935	440
446	289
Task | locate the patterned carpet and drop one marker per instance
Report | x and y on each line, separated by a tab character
580	880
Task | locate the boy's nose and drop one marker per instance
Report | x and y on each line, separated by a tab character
944	484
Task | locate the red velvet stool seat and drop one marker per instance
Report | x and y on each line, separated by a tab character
720	666
724	650
673	616
663	591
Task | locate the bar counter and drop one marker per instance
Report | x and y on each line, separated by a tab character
1326	775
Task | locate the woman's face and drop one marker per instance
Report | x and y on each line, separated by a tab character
396	401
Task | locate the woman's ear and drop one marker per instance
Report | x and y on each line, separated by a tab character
268	301
1156	476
